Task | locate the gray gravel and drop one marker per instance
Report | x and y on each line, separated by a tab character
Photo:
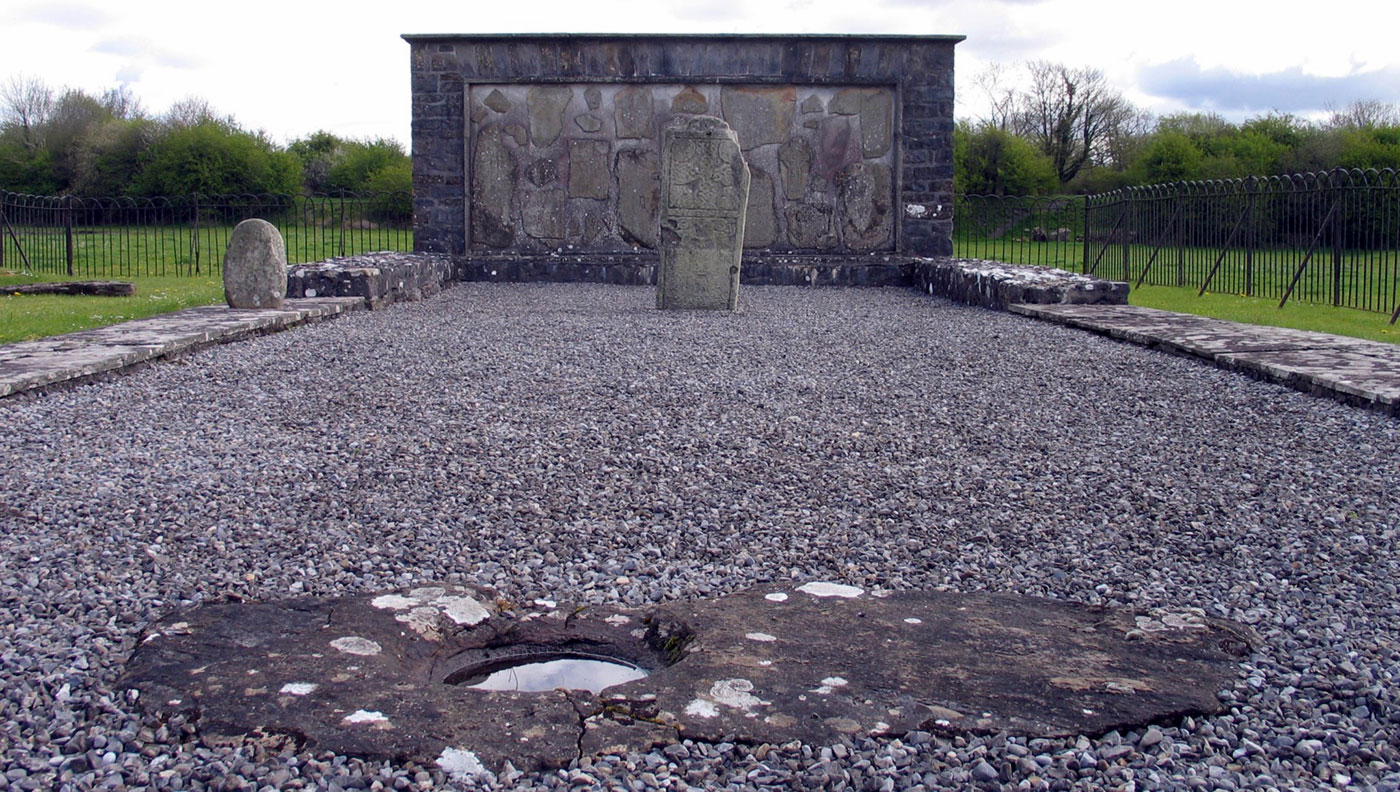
568	442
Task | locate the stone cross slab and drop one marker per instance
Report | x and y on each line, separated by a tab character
704	196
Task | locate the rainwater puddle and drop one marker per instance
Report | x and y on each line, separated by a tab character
541	673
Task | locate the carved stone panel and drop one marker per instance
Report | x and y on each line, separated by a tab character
704	198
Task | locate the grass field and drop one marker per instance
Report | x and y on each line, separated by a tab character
1369	281
30	316
106	252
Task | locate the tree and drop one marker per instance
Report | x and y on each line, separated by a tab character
1364	114
1170	156
992	161
209	158
359	161
1070	114
27	103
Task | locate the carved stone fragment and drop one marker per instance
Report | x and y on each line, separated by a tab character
588	169
546	104
704	199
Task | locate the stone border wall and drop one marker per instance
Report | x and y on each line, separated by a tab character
991	284
376	277
918	70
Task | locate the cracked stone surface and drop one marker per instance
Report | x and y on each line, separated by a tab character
372	675
1350	369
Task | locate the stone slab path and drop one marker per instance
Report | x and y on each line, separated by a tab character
1353	370
78	356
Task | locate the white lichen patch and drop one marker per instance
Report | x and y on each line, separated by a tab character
765	662
820	589
372	717
394	601
912	620
736	693
544	603
423	620
298	689
427	592
462	610
759	636
462	764
776	596
829	684
701	708
355	645
617	620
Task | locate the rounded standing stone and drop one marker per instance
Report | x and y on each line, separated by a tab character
255	266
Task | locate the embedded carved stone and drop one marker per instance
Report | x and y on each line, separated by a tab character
497	101
632	108
876	123
546	104
836	147
589	123
493	187
592	97
518	133
813	104
690	101
864	192
809	226
760	220
638	196
542	172
794	167
759	115
542	215
588	169
704	197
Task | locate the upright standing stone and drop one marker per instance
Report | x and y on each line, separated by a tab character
255	266
704	197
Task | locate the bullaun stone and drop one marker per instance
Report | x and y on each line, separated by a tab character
704	200
255	266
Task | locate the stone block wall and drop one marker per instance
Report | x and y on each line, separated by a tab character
540	155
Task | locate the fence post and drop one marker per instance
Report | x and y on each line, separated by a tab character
1337	248
4	226
1249	233
68	231
194	199
1127	250
1084	265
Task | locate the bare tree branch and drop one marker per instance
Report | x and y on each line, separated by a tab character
27	103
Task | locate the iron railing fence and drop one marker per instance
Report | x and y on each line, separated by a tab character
1331	238
1045	231
187	235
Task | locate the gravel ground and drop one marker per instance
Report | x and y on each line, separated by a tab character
568	442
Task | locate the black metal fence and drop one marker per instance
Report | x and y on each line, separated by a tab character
1331	238
187	235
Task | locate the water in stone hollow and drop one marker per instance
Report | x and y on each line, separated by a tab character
573	673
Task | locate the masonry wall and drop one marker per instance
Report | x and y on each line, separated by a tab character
537	157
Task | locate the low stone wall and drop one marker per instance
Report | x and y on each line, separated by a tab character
992	284
376	277
632	270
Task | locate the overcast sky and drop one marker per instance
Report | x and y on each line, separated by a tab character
292	67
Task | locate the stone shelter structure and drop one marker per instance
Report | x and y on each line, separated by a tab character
537	157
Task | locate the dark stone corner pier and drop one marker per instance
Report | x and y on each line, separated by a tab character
536	157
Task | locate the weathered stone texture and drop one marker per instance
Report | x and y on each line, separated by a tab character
690	101
863	191
704	197
759	115
633	108
638	196
760	220
493	187
794	167
255	266
546	104
542	215
589	175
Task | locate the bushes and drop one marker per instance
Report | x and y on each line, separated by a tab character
212	159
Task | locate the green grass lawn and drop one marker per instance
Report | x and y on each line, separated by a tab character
1368	277
1255	310
29	316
